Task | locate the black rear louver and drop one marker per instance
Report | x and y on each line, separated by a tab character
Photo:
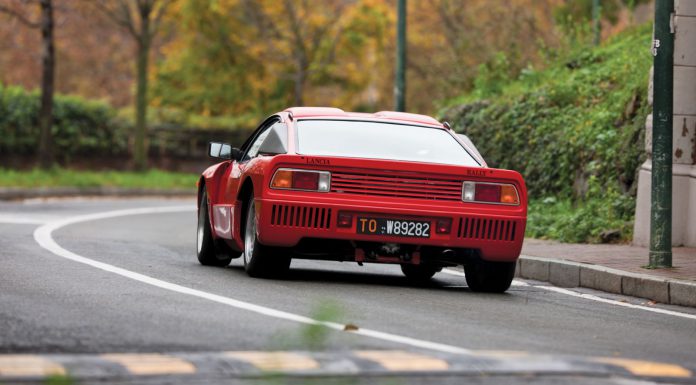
301	216
487	229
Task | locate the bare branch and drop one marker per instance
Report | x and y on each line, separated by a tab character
157	20
296	31
453	29
323	30
19	16
120	16
126	19
264	25
331	56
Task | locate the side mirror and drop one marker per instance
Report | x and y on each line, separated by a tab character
219	150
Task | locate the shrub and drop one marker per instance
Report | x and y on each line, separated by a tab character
575	131
80	127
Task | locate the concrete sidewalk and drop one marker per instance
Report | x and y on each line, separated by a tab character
611	268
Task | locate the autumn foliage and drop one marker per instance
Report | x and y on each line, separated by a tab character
252	57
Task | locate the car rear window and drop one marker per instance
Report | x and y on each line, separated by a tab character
377	140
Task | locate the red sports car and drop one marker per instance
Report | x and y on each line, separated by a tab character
389	187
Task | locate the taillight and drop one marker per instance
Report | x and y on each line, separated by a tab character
508	195
497	193
306	180
487	193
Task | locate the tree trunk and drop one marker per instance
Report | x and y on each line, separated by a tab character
299	88
140	150
45	154
300	79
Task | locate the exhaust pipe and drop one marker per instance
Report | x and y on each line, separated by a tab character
449	253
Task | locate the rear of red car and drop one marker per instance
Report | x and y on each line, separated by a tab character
390	187
418	210
385	188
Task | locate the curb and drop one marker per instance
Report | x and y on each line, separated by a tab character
265	364
564	273
11	193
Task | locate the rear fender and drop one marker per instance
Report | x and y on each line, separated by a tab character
211	179
240	210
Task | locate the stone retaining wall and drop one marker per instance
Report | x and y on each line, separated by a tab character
684	148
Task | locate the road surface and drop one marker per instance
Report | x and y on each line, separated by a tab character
85	277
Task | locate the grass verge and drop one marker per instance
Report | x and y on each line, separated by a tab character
595	220
59	177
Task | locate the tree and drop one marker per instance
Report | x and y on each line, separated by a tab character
456	39
45	154
251	57
312	45
307	33
141	18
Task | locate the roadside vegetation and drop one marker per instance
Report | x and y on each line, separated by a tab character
574	130
81	127
521	77
58	177
314	336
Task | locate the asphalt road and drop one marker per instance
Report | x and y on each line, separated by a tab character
52	304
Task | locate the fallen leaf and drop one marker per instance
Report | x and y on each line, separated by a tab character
350	327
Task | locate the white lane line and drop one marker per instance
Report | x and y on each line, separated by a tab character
43	236
461	274
614	302
590	297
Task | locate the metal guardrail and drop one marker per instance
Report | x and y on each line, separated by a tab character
181	143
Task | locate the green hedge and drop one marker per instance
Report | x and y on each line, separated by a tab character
575	131
81	127
86	128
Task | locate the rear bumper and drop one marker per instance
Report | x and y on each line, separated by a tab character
496	232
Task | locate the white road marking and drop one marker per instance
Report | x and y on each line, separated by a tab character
461	274
590	297
614	302
43	235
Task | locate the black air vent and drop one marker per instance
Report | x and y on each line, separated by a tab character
488	229
301	216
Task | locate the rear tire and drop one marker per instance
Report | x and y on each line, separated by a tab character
261	261
419	273
208	253
489	277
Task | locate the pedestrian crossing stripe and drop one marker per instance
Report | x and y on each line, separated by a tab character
355	362
403	361
25	365
150	364
648	368
276	361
